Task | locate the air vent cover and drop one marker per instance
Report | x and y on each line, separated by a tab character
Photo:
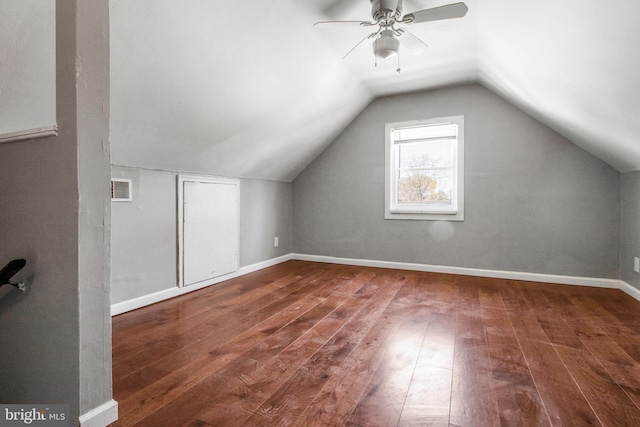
120	190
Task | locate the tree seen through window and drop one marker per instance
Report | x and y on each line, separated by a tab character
424	174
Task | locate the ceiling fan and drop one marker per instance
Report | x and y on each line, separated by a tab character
387	14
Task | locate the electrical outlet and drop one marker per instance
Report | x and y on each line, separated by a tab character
636	264
276	242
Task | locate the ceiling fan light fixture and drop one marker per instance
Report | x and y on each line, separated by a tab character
386	45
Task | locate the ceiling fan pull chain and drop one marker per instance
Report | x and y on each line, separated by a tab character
398	70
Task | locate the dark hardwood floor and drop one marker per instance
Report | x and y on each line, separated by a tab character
311	344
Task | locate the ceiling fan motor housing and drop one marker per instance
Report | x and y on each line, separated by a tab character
382	10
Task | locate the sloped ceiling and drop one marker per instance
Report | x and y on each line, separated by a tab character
250	88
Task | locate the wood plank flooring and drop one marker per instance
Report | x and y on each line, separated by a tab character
311	344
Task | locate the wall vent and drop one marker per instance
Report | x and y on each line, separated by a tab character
120	190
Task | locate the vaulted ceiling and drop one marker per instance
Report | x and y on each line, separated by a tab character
251	88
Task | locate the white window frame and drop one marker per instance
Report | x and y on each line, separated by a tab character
424	212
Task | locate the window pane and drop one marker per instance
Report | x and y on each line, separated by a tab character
426	154
433	186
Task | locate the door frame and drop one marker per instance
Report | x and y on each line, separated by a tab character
181	179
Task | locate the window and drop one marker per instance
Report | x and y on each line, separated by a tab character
425	169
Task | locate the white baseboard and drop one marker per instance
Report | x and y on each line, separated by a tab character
498	274
135	303
631	290
145	300
101	416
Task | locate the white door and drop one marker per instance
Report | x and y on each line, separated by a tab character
210	224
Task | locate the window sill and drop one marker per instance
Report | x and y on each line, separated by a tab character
453	216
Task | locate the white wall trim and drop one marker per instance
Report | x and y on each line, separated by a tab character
498	274
30	134
101	416
135	303
631	290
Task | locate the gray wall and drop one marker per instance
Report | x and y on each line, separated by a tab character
39	338
28	71
534	202
144	231
143	235
265	212
55	341
629	226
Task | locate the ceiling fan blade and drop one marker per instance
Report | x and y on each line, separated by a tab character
411	42
345	23
364	42
455	10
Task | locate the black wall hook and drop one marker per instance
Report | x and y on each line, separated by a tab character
9	270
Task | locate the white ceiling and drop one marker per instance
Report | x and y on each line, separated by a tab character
251	88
